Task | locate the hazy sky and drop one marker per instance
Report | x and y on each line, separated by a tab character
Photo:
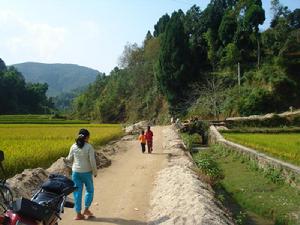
90	33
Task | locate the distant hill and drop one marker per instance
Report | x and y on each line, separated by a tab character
61	78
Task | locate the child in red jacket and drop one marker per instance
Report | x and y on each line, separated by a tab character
149	139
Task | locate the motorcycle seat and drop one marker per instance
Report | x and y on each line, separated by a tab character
47	198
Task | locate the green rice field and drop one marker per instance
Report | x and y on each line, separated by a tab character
282	146
39	145
37	119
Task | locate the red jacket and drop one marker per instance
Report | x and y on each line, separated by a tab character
149	135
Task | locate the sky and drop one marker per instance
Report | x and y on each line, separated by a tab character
89	33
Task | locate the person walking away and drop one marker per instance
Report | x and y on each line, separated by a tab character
142	139
149	139
82	156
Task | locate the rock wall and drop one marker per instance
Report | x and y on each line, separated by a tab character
289	171
179	196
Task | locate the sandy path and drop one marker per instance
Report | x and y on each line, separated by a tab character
122	191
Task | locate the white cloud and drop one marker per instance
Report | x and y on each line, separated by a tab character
21	36
90	29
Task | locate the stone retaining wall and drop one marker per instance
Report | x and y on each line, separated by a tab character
289	171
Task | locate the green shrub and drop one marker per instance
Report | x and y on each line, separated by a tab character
198	127
189	140
209	166
275	175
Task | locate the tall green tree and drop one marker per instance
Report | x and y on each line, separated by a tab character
227	27
254	16
161	25
173	66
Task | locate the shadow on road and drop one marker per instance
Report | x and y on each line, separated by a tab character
121	221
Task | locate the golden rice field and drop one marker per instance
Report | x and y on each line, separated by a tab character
39	145
282	146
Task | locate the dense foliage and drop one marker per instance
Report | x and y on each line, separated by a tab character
130	92
17	96
189	66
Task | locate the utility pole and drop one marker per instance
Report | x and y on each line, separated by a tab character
239	75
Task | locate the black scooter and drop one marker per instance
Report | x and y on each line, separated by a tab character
45	207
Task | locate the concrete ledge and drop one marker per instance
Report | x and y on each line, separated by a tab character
289	171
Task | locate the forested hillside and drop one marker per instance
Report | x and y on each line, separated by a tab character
189	66
61	78
17	96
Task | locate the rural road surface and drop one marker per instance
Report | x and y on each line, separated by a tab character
122	191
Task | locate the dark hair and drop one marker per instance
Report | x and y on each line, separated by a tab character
142	131
82	135
148	127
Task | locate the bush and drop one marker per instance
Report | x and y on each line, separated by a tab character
209	166
200	127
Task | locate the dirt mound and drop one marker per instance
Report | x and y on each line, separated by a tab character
102	161
179	196
27	182
60	167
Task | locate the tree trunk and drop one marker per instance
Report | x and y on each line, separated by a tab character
258	51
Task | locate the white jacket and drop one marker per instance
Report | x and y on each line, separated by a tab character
83	159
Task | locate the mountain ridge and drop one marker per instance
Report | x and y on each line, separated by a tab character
60	77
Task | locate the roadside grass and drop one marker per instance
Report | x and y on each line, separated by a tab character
39	145
190	140
253	191
282	146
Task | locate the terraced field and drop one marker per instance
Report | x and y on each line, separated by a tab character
282	146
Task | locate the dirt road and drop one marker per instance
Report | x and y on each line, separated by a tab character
122	191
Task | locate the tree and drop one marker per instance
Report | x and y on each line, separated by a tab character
294	19
2	66
255	16
161	25
210	96
132	55
278	11
17	96
227	27
173	65
195	26
231	56
148	37
212	48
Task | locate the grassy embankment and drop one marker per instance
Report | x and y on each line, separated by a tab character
253	196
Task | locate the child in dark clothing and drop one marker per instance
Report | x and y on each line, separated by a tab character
142	139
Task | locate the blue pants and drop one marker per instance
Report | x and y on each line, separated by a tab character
80	179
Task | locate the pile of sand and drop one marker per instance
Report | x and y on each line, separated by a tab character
28	182
179	196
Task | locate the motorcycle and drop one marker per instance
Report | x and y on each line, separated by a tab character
44	208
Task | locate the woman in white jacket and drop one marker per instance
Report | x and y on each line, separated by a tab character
82	155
